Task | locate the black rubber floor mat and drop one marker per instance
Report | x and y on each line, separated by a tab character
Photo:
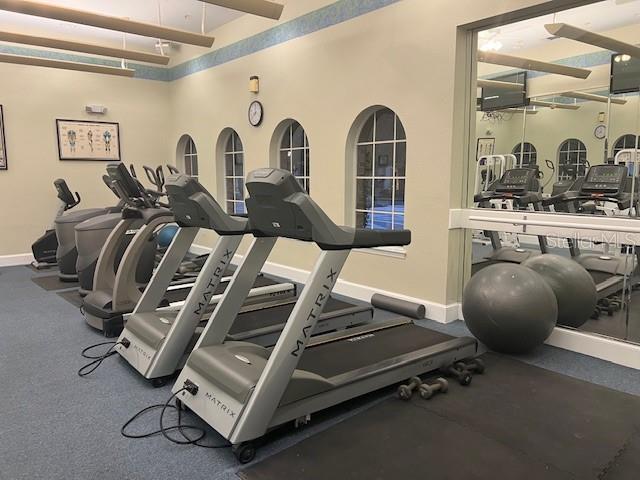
516	421
52	282
73	297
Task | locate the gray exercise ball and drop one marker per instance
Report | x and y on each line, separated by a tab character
509	308
573	286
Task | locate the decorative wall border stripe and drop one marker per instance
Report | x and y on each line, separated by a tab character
320	19
330	15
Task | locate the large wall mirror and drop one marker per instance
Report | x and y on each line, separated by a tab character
556	130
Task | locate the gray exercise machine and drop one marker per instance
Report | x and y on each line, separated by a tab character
156	342
45	248
242	389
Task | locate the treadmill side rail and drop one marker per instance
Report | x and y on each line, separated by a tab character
286	354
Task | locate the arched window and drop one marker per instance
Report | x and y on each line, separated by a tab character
294	153
381	158
572	159
529	154
624	142
234	174
189	160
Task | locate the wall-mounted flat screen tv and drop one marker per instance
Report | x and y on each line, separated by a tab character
499	98
625	73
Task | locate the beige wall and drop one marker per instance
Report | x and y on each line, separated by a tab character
32	99
402	56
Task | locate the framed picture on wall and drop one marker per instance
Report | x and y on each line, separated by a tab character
86	140
485	147
3	146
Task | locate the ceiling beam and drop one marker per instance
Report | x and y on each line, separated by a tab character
262	8
528	64
108	22
64	65
498	84
83	47
562	106
574	33
593	97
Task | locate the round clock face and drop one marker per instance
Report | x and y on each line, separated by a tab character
600	132
255	113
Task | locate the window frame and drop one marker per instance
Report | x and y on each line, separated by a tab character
582	148
531	153
190	157
305	180
231	136
623	138
374	142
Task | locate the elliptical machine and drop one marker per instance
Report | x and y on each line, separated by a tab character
45	247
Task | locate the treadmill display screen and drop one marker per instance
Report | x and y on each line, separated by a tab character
606	174
517	177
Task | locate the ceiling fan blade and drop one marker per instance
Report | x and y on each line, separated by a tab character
590	38
262	8
529	64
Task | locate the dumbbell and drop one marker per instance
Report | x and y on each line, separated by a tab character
427	391
405	391
463	375
475	365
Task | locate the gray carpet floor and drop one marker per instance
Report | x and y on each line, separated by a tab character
55	425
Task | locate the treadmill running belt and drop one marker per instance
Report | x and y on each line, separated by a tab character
350	354
255	319
180	294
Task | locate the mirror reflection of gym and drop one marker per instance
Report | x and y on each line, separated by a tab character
562	138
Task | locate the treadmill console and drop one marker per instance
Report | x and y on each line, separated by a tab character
604	180
518	181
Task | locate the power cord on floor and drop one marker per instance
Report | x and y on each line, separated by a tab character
164	430
97	360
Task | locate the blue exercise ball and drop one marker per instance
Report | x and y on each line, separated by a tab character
166	234
509	308
572	285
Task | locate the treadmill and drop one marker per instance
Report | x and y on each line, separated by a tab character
522	187
242	389
156	342
115	294
603	183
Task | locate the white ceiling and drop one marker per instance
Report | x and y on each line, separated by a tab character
597	17
183	14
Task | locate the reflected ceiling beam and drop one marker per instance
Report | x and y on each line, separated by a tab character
574	33
108	22
593	97
64	65
499	84
83	47
529	64
562	106
262	8
519	110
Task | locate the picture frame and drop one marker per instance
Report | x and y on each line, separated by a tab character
485	146
4	164
88	140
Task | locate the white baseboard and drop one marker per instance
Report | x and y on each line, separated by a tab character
593	345
434	311
14	260
609	349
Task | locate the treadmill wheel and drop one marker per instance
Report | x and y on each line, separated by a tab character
159	382
244	452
